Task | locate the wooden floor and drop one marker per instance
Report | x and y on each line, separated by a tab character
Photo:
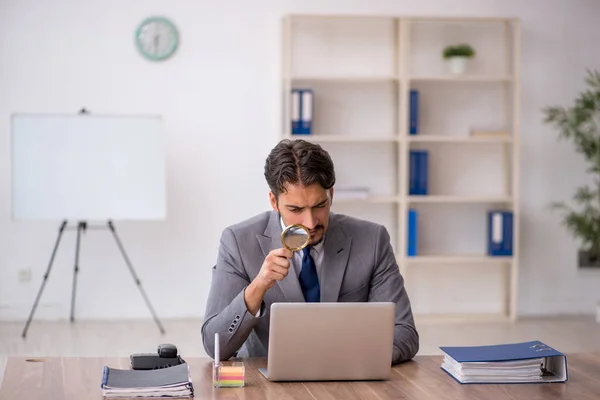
120	338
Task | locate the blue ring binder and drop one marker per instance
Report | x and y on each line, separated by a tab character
505	363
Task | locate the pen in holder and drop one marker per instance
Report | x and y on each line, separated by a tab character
233	375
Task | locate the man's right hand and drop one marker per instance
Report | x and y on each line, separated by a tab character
274	268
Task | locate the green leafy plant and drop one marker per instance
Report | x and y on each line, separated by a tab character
579	123
458	50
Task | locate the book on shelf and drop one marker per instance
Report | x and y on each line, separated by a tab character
302	106
418	172
413	112
500	233
295	111
412	232
171	382
526	362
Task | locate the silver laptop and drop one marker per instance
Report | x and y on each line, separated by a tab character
330	341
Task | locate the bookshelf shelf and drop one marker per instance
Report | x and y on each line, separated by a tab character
457	139
458	259
345	79
450	78
460	20
459	199
347	138
369	199
362	71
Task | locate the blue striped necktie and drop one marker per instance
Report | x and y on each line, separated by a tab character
309	280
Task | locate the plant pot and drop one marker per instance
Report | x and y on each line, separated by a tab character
458	65
587	260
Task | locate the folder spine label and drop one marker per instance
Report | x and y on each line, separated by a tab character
306	113
500	233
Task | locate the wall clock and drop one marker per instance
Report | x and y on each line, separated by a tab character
157	38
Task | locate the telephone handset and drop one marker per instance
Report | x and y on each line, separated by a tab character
165	356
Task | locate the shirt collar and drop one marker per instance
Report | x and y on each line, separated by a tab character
317	247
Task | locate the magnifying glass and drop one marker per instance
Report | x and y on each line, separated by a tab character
295	237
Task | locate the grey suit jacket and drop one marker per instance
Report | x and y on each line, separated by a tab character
358	265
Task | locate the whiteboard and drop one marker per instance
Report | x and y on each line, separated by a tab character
88	167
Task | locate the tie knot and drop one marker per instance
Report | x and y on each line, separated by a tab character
306	251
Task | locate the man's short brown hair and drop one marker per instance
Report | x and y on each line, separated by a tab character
298	161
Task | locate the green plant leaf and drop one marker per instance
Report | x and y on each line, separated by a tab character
458	50
579	123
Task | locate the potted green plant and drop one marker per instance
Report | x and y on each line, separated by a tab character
580	124
458	56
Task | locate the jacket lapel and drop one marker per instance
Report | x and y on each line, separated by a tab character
271	240
335	260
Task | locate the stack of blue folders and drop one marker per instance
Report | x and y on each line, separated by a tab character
529	362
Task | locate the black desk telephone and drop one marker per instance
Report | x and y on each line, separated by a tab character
165	356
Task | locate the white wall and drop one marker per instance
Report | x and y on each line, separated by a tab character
220	100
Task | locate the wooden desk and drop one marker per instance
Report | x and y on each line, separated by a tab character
79	378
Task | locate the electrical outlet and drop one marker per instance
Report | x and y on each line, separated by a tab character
25	275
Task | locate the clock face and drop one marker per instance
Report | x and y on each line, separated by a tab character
157	38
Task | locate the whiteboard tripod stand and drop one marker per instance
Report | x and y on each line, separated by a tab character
82	226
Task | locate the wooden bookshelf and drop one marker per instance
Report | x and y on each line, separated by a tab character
361	70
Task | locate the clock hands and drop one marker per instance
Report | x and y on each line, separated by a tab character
156	40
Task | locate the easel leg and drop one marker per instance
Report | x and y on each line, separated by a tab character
135	278
37	299
81	227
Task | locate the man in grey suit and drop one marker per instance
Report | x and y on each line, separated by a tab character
348	259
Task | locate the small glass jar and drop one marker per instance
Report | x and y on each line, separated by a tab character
233	375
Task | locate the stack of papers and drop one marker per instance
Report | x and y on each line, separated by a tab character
488	372
172	382
527	362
